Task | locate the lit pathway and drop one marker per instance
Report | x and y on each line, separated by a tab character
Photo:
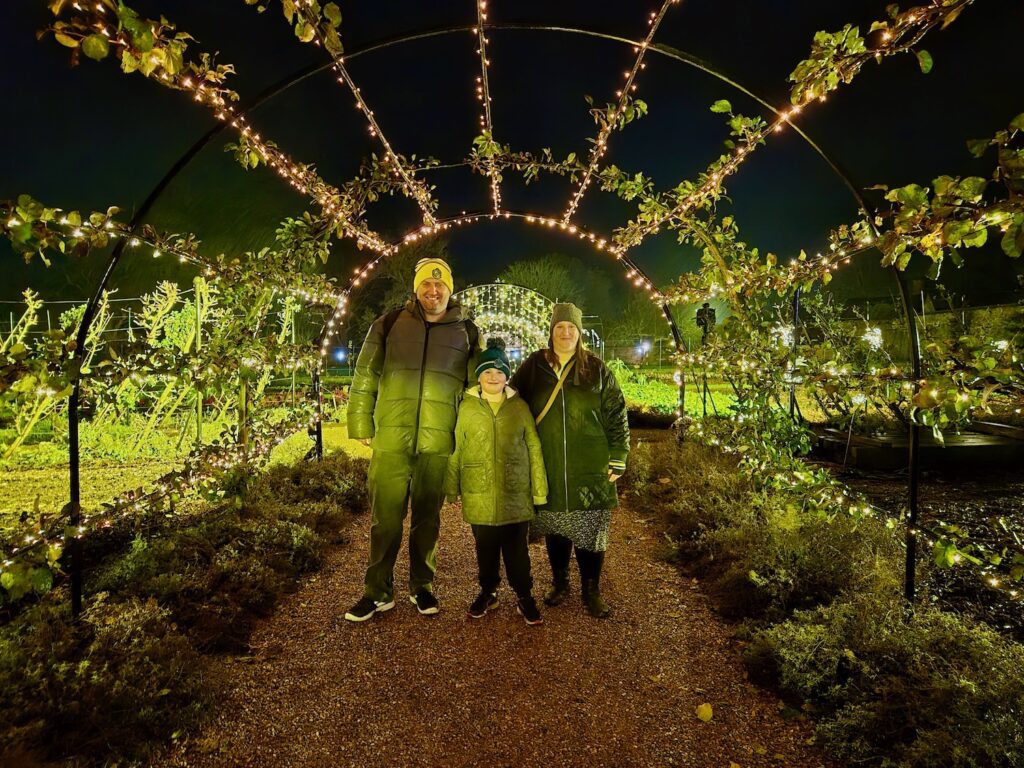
405	690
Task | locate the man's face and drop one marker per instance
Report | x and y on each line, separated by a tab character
433	296
492	381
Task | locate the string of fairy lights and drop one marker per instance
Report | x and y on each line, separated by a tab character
299	176
303	178
892	42
162	246
842	500
361	274
600	146
518	315
483	94
411	187
201	466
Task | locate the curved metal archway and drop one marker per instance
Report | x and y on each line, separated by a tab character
280	87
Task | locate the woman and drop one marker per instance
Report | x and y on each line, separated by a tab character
581	420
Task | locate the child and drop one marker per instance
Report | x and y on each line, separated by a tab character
499	471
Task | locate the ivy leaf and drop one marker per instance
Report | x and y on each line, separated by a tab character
924	60
96	47
721	106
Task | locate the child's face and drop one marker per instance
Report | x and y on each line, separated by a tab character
492	381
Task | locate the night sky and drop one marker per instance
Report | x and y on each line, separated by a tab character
90	137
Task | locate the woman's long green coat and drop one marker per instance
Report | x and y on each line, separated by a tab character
585	428
497	467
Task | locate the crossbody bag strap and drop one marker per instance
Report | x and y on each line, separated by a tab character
556	390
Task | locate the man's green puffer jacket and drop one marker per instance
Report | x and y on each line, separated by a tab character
406	389
497	466
585	428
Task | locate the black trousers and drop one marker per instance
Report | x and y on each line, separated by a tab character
494	542
560	553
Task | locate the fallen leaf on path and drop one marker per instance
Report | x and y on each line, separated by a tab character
705	713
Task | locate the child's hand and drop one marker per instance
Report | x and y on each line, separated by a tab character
612	477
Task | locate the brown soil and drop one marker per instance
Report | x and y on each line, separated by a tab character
407	690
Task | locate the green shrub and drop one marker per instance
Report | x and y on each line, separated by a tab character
932	691
775	558
118	682
761	557
339	479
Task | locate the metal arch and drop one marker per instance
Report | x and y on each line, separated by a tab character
279	87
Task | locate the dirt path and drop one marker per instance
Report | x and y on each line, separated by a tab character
405	690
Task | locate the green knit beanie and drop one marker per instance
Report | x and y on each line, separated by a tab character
493	357
570	313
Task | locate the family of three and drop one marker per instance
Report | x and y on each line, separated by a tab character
545	445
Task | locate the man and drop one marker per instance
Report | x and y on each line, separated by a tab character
412	370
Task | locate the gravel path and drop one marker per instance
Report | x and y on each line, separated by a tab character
406	690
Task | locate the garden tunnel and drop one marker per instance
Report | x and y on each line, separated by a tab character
556	224
409	182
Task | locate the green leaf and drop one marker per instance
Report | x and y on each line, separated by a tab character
1017	124
304	31
333	14
66	40
977	147
42	580
96	47
912	195
1013	240
721	107
924	60
977	237
972	188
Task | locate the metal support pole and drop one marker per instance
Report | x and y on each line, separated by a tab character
318	427
243	415
198	284
678	339
792	382
914	438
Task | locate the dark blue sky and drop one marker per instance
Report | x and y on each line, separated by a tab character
91	137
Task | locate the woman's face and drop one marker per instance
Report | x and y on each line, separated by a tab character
564	337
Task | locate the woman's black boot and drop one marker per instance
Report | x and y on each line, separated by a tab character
559	554
590	572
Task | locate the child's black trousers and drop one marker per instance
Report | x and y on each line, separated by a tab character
508	542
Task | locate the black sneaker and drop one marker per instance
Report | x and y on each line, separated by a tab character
485	601
527	608
425	602
366	607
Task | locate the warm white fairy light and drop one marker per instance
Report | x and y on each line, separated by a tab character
483	93
600	146
411	186
914	27
300	177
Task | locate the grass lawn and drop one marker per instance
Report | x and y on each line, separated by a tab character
20	487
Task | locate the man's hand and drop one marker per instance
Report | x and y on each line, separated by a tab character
612	477
365	440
